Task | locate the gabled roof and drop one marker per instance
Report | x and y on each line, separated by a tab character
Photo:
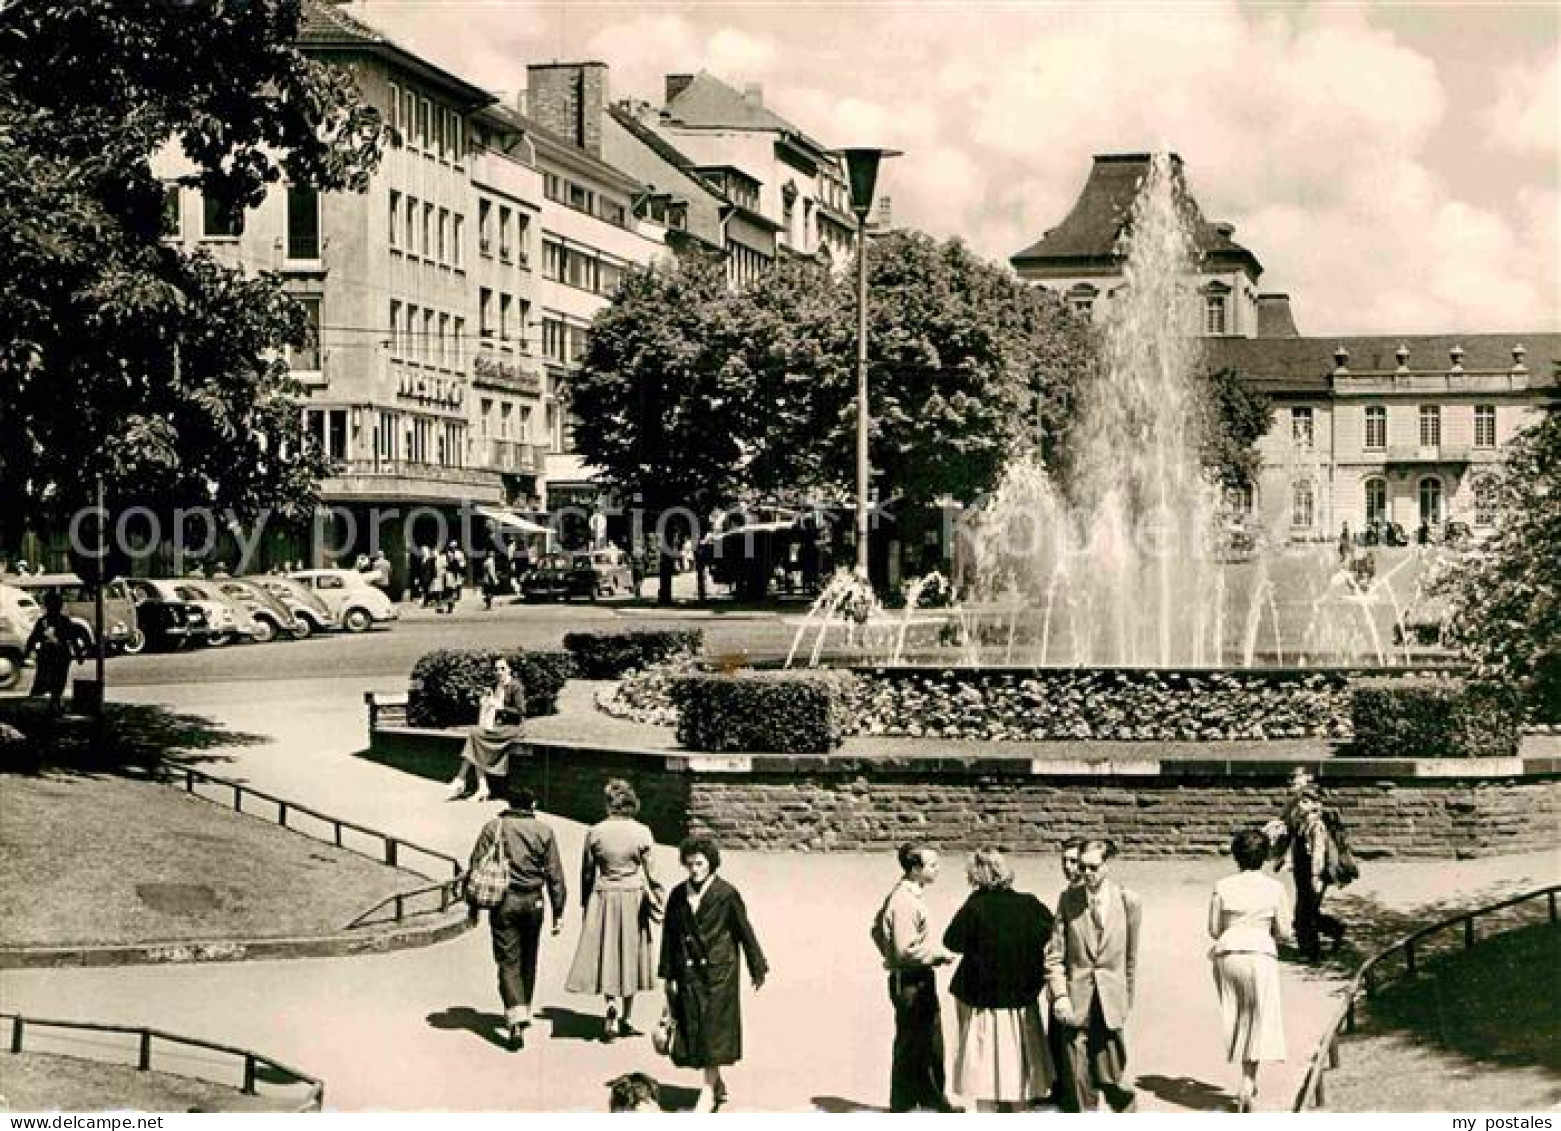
1089	234
653	141
324	27
548	142
1306	365
707	102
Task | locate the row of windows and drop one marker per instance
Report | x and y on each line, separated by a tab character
436	130
500	421
221	222
394	436
514	232
1303	502
427	337
419	228
561	190
501	317
580	268
1303	435
563	342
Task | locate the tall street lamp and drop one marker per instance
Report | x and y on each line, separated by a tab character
862	171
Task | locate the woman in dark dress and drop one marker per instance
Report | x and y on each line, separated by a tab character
55	639
705	929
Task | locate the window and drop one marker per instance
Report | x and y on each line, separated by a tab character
506	325
1301	430
523	238
427	248
328	428
615	213
444	235
504	234
306	358
523	327
458	240
460	343
580	271
552	260
553	339
1431	502
1376	501
1082	299
506	416
220	221
428	337
485	228
485	313
395	329
1485	426
395	106
303	223
553	187
444	341
1430	426
408	118
424	130
173	223
457	137
1376	427
395	218
1214	315
485	415
609	276
1485	501
1303	505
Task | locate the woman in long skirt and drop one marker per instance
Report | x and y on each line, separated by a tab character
500	722
1002	1058
622	899
1248	915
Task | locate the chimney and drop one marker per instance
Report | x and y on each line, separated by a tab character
568	99
753	94
676	85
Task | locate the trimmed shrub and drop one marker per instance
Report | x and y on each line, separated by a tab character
1434	718
763	712
447	685
609	655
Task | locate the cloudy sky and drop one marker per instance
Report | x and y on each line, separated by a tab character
1394	167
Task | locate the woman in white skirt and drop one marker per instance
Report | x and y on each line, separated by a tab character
1002	1061
1248	915
622	898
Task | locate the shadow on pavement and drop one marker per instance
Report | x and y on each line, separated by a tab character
567	1025
135	738
489	1026
842	1106
430	764
1185	1092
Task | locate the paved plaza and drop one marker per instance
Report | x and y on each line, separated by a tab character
418	1029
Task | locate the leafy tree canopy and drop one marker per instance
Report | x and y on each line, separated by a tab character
125	356
1238	417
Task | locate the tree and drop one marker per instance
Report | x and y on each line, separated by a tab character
125	357
1506	596
1238	416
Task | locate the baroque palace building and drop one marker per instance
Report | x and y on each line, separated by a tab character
1402	429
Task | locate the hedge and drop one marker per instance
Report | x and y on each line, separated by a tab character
1434	718
610	655
763	712
447	685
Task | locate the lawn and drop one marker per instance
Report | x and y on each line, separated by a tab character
45	1082
99	859
1477	1030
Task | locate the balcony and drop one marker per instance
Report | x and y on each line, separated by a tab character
1421	457
494	372
508	456
402	481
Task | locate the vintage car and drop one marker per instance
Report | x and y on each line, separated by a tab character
18	612
168	620
357	604
600	573
239	623
121	625
272	617
548	579
310	614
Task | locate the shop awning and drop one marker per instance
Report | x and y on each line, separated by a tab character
510	520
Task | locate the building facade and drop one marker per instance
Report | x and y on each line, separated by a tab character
1380	430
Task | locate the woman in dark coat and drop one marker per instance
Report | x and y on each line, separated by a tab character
706	927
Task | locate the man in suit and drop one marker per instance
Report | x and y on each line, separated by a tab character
1091	966
1057	1036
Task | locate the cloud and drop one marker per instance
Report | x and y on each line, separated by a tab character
1524	118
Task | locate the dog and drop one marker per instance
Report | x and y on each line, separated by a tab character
633	1092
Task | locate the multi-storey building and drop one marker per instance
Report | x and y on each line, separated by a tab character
1383	429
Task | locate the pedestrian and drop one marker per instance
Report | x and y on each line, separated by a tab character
622	899
501	716
1310	843
453	570
361	564
433	580
1344	543
1001	934
1248	915
379	567
58	643
706	929
516	924
221	572
490	578
1063	1095
910	954
1091	966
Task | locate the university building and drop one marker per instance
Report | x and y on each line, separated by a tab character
1399	429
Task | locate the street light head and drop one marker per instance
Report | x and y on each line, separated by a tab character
862	171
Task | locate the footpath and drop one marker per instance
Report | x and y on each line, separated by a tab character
418	1030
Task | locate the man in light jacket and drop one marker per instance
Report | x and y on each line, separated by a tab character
1091	965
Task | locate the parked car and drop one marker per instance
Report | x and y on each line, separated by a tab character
168	620
121	626
548	580
357	604
601	573
242	625
271	616
18	612
309	612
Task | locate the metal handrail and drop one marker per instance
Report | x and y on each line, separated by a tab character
1311	1093
390	854
253	1061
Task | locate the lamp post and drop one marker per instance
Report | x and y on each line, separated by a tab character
862	172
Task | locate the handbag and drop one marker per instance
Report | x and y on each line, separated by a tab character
666	1035
487	883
